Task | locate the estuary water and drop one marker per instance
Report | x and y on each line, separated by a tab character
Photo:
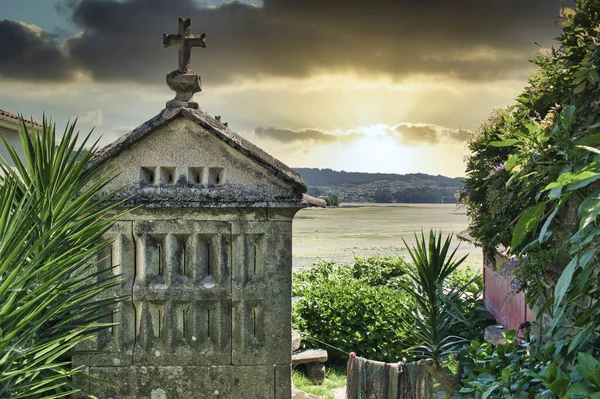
365	230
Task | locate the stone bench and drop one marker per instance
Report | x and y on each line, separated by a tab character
314	363
312	360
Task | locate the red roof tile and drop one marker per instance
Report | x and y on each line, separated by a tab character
9	115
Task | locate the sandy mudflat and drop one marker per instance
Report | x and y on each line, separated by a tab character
372	229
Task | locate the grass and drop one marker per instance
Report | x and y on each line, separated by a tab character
333	379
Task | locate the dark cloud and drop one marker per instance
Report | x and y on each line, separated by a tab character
304	135
467	39
28	53
413	134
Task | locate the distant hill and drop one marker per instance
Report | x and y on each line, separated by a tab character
329	177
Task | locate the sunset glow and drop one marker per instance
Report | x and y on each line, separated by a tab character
395	89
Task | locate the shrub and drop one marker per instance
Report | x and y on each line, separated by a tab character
359	307
352	307
355	317
532	186
467	279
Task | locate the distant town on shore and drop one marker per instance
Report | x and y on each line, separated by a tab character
340	186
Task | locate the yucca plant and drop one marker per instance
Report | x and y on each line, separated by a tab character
51	228
435	310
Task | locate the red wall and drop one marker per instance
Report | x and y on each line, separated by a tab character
508	311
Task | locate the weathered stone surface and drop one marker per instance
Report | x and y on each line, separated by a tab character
175	158
283	381
118	341
184	82
261	291
185	85
206	293
310	356
205	256
186	40
493	334
296	339
315	372
197	382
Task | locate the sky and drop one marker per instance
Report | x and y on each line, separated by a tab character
391	86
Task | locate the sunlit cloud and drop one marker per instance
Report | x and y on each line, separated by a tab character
308	136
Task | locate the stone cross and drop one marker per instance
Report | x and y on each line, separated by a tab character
186	41
184	82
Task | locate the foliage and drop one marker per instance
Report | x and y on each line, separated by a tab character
373	271
468	279
434	311
383	195
533	187
520	368
417	194
331	199
328	177
502	371
351	308
360	307
51	226
425	194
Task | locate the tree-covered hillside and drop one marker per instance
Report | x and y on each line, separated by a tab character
381	187
329	177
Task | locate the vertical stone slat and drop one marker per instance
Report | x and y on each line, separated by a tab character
184	292
261	292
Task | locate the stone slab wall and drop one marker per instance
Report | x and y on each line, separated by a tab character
206	308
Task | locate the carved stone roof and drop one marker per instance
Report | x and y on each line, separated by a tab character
219	130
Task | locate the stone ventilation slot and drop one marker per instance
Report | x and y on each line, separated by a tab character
195	176
183	268
208	323
147	175
183	322
179	257
160	323
157	314
113	320
215	176
208	268
182	312
204	268
160	259
254	322
167	175
254	259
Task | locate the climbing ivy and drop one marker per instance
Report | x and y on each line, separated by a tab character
533	187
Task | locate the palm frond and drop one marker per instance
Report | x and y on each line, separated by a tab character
434	313
51	226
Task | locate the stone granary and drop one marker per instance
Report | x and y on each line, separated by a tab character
205	256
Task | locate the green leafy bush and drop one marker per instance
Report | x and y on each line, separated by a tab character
353	308
502	371
470	282
533	186
467	279
360	307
